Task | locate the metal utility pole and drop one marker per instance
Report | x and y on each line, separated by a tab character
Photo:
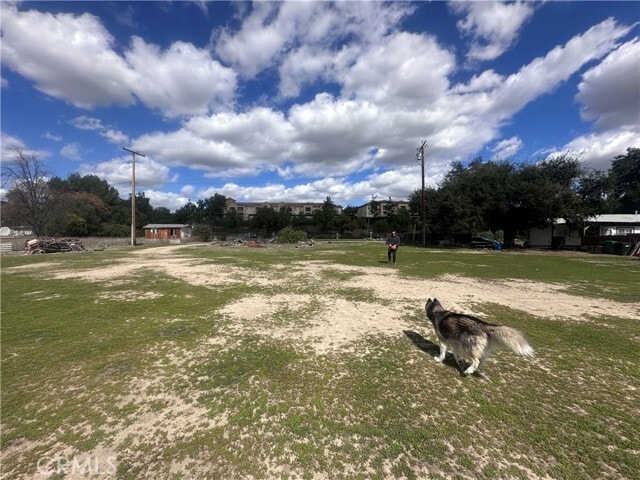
133	195
420	156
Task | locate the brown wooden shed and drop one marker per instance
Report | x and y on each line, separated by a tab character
166	231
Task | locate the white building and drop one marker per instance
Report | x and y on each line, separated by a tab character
561	235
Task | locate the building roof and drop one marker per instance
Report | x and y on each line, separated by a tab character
384	202
284	204
165	225
617	218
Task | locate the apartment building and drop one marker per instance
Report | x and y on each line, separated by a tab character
249	209
381	208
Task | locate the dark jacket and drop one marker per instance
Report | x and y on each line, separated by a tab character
393	240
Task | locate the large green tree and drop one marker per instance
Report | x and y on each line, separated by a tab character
624	176
161	215
86	201
540	193
502	196
325	217
267	220
232	220
211	210
187	214
100	206
80	205
488	188
89	184
594	190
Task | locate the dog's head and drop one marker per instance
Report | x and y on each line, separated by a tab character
432	307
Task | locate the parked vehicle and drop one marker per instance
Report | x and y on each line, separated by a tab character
483	242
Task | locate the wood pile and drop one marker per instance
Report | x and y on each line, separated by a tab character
53	245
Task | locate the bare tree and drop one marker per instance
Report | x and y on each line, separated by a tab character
29	200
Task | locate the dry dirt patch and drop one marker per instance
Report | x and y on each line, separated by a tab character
332	323
334	317
335	322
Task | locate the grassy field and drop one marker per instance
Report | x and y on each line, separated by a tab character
153	362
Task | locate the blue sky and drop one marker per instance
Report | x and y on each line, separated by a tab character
297	101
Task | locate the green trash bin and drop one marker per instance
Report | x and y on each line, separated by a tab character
609	247
623	248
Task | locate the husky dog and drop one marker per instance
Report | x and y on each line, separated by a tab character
470	338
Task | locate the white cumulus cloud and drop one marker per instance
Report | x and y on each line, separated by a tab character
73	151
609	93
74	58
506	149
117	171
492	26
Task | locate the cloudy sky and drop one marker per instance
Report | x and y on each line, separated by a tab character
297	101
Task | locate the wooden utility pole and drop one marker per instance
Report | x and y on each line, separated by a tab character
133	194
420	155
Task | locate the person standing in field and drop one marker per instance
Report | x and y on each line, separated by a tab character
393	242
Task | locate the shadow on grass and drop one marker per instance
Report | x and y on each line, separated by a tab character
433	350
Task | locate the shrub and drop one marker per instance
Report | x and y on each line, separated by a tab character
76	225
115	230
498	235
290	235
203	232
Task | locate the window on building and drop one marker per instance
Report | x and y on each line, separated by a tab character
624	230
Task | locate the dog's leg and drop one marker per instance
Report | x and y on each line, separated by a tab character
475	362
459	361
443	352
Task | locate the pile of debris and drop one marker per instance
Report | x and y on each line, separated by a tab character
309	243
53	245
234	243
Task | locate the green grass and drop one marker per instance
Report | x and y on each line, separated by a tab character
171	387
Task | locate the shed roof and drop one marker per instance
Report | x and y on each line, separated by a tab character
165	225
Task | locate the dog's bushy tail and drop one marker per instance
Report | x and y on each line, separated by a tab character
510	338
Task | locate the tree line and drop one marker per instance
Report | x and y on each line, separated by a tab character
501	196
498	197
